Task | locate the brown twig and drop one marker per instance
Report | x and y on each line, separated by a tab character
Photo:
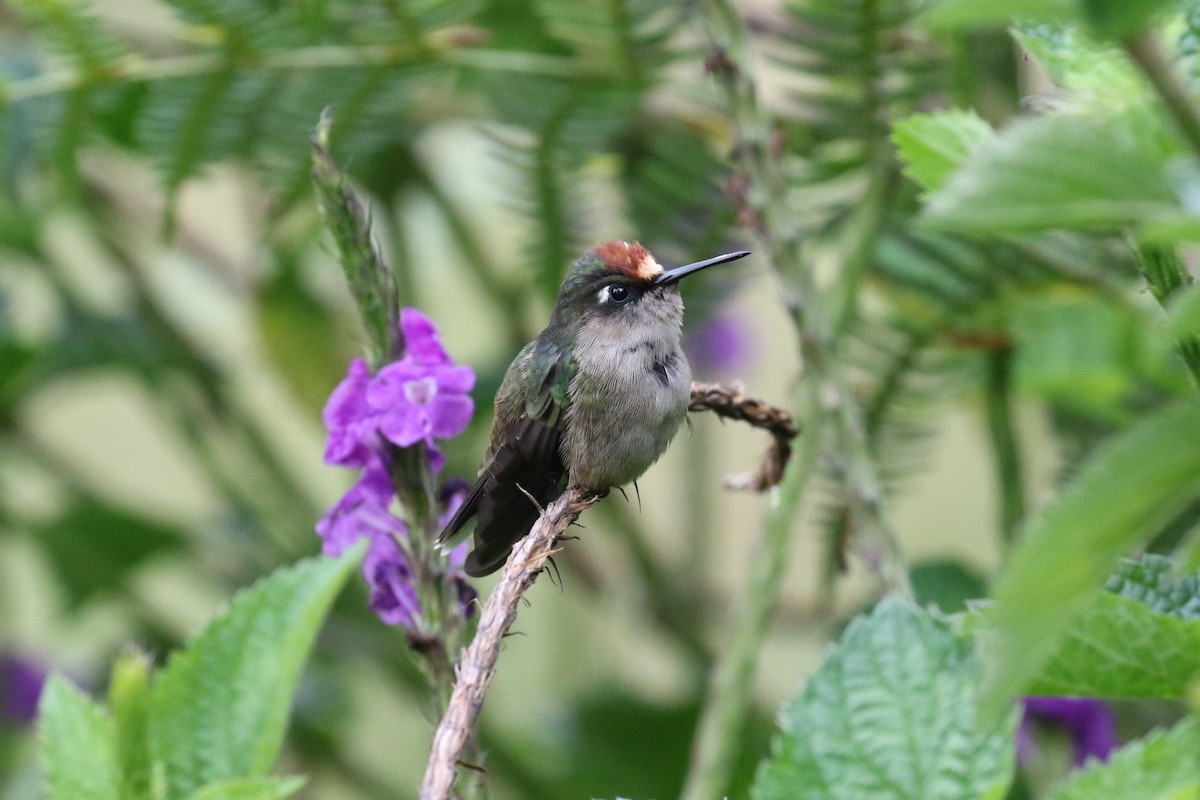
479	659
731	403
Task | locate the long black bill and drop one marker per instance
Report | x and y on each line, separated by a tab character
673	275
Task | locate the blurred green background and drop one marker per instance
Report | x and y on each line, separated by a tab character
172	318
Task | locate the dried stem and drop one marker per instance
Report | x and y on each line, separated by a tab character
478	664
731	403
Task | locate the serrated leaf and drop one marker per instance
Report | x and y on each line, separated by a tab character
1152	582
78	753
931	146
1165	765
218	710
1092	171
1131	484
250	789
890	715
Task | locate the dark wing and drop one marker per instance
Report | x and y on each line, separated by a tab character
525	468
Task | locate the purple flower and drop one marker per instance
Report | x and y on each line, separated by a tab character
21	681
1087	721
720	344
421	397
393	597
362	511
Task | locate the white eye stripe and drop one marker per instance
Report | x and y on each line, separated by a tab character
602	295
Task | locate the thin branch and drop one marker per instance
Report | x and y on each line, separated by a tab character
478	664
731	403
1006	452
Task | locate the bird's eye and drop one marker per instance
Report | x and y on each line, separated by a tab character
619	295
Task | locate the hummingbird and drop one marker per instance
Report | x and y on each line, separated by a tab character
593	401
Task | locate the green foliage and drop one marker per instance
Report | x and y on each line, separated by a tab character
250	789
950	14
95	547
1110	19
1131	485
370	280
931	146
77	739
129	702
1062	171
1185	313
257	70
1121	648
219	707
1093	75
1139	639
890	714
600	125
1163	766
1122	19
1087	353
209	725
1150	581
840	116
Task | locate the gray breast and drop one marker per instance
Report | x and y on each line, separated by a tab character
627	402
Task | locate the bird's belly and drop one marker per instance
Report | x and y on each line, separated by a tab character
620	422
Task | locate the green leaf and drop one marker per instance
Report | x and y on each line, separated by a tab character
250	789
890	715
1121	19
931	146
1130	485
1121	648
1165	765
1061	171
1185	313
218	710
947	584
1085	353
1151	581
77	749
1142	639
952	14
129	699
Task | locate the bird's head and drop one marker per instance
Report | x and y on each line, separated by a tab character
623	280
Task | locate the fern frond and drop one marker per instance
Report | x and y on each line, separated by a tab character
246	68
849	69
